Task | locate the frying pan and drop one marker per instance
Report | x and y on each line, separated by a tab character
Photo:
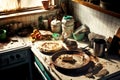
63	66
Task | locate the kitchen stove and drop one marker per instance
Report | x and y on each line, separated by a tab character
112	66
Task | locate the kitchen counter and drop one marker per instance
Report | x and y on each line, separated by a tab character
12	42
111	65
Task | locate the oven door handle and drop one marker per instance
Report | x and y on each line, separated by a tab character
41	67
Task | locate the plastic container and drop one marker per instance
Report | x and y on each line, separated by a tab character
79	37
56	26
67	26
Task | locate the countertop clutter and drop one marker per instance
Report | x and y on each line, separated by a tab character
98	67
74	54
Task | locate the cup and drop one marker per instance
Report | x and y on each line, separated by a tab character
99	47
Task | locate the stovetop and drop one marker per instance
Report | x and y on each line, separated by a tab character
111	65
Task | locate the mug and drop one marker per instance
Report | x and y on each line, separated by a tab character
99	46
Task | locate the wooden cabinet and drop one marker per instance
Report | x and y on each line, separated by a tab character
98	8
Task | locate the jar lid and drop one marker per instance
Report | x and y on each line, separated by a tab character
68	17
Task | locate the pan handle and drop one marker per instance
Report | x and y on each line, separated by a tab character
88	53
83	49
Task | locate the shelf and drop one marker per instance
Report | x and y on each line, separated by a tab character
98	8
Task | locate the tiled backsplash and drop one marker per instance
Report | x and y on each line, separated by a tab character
97	22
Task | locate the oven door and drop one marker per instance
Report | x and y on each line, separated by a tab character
20	72
43	71
16	64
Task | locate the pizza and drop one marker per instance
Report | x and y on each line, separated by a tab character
50	46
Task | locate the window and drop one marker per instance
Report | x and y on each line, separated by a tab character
12	5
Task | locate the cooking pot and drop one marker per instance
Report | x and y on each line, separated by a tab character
69	68
3	34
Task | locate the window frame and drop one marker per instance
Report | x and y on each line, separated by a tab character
26	9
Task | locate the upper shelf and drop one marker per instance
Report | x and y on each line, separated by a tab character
96	7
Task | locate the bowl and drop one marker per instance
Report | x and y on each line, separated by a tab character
79	37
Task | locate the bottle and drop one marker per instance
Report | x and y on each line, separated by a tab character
41	23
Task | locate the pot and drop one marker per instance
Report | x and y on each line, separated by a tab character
76	65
